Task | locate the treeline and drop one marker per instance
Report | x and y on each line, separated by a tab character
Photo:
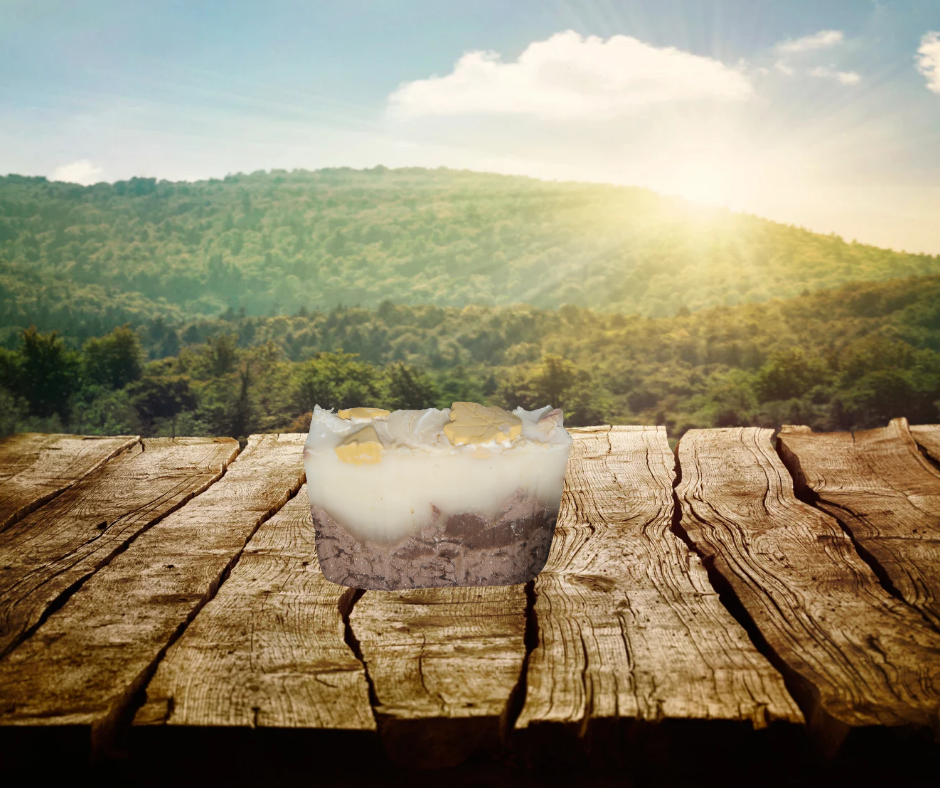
81	260
841	359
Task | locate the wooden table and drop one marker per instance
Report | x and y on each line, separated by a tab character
759	606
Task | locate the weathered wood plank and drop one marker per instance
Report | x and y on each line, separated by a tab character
34	468
928	437
443	664
269	649
82	667
854	655
879	485
44	555
629	626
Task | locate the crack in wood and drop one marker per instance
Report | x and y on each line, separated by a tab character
30	478
347	603
58	598
740	509
530	639
884	495
104	735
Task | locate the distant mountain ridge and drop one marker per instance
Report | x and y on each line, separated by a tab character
84	259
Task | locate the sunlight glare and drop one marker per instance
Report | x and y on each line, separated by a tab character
703	182
712	176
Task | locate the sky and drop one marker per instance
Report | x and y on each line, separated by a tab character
824	114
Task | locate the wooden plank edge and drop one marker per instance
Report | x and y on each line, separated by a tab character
67	593
927	437
32	506
115	732
836	742
618	742
845	517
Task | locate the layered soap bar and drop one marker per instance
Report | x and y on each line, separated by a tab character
464	496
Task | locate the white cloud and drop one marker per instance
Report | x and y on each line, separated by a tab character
784	68
845	77
81	171
928	60
569	76
820	40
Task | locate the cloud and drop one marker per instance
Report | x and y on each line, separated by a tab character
568	76
81	171
845	77
820	40
784	68
928	60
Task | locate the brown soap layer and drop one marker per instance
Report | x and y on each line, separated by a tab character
463	550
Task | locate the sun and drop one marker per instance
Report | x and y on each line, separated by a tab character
706	182
714	170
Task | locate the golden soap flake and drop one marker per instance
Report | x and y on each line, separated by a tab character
363	413
361	448
474	424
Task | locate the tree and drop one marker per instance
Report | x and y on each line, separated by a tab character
115	359
408	388
12	411
559	383
161	397
242	412
885	394
336	380
223	354
49	373
458	385
730	399
789	374
10	363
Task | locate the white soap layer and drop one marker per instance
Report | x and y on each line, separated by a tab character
393	498
420	469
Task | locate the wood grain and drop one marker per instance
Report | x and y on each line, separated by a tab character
854	655
883	490
443	663
44	555
34	468
269	649
629	626
84	664
928	438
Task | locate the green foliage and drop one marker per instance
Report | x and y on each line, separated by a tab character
558	382
789	374
99	410
161	397
222	354
82	260
46	373
114	360
408	388
849	358
336	380
13	412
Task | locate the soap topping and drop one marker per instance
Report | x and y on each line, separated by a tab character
475	424
361	448
466	427
363	413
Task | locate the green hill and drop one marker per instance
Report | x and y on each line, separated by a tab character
846	358
84	259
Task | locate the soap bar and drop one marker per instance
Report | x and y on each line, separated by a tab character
464	496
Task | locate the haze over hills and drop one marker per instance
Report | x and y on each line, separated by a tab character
84	259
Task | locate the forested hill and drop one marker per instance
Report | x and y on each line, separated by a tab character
83	259
847	358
